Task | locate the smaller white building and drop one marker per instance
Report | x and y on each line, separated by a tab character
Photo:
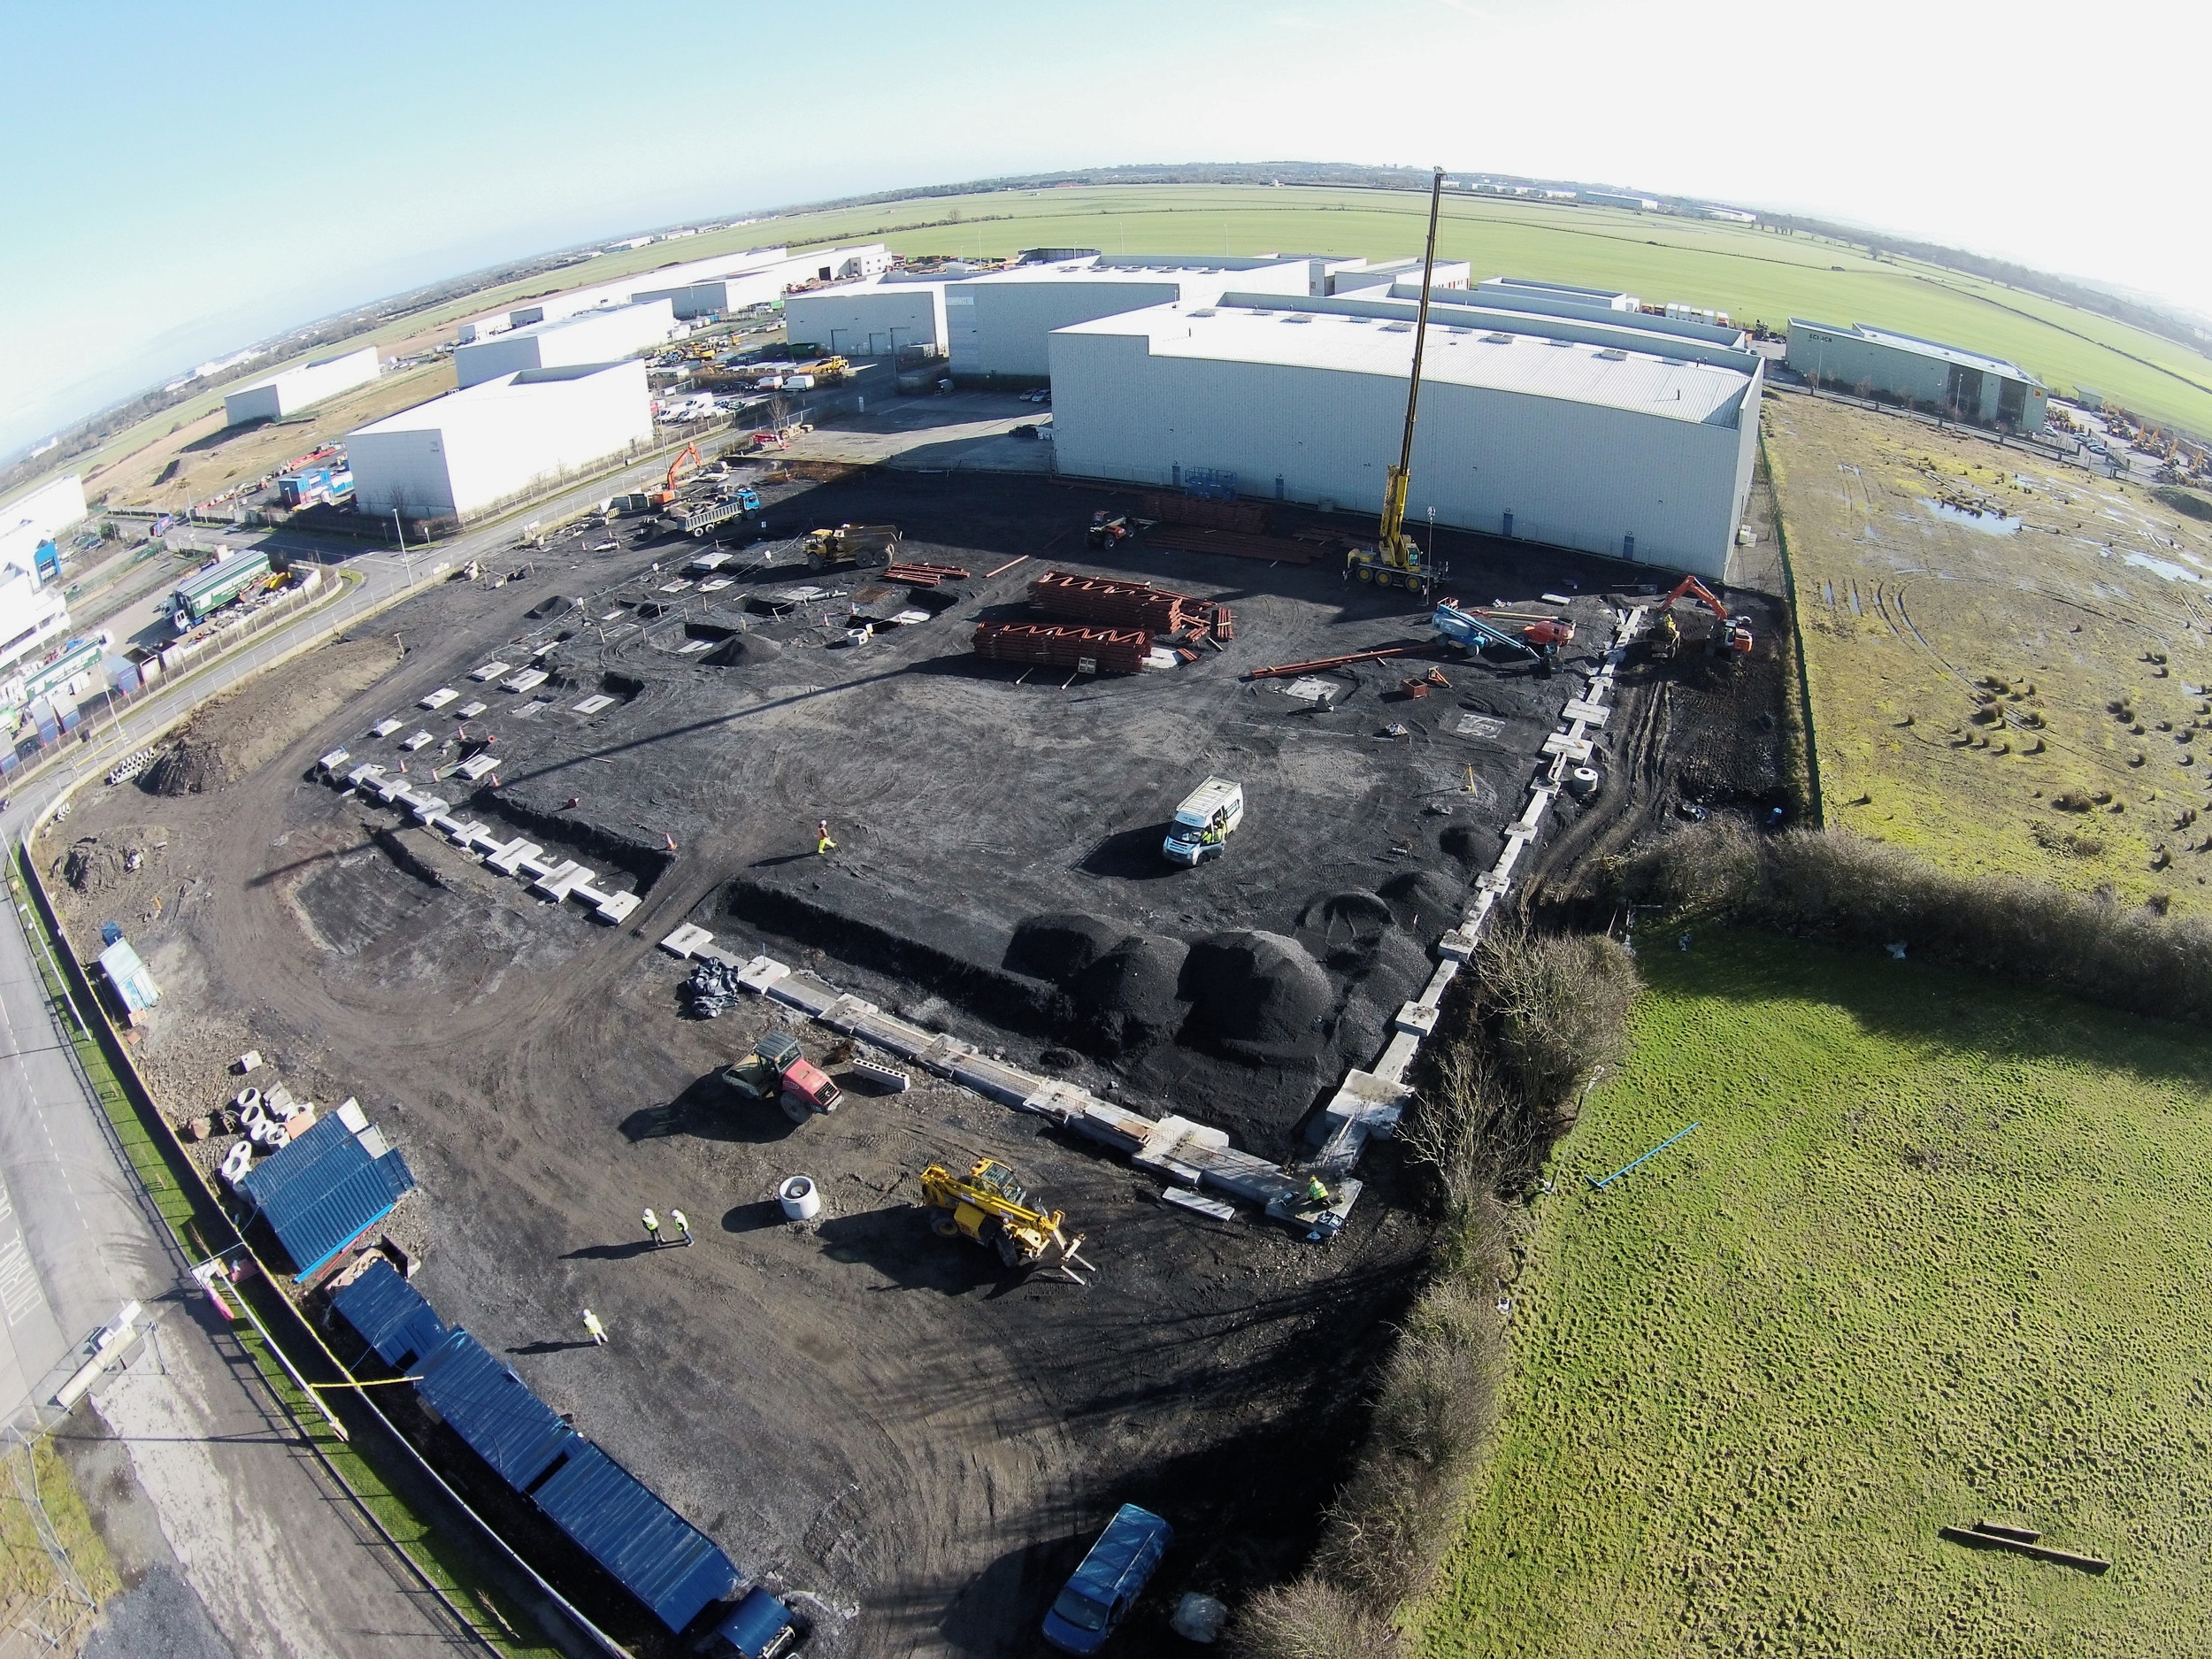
466	455
32	613
297	388
39	516
598	336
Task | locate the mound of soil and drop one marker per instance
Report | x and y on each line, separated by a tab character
1129	998
1258	996
1424	901
192	766
245	729
1339	928
100	863
1059	948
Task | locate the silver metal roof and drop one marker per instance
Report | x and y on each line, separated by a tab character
1918	347
1510	354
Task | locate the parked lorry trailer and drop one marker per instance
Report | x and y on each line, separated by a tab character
200	596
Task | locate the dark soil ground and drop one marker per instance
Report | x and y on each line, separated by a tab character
883	1422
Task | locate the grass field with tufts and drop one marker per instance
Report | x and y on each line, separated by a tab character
1931	1256
2010	661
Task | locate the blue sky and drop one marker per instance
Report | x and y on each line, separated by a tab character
185	179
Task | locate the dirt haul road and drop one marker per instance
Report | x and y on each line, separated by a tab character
884	1422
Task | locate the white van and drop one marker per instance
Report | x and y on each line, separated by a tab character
1209	815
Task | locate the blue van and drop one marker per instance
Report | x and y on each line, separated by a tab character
1106	1585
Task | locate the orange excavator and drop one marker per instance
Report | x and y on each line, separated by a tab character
667	491
1730	639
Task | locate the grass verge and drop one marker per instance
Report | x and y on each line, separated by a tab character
200	1230
1921	1263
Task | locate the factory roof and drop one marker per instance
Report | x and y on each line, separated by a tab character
1918	347
595	317
483	404
1572	359
1129	268
1553	290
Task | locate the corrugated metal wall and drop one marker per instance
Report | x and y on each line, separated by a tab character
660	1557
1572	474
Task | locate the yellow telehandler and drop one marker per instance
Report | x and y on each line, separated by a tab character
989	1206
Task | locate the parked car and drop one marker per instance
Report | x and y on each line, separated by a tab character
1099	1594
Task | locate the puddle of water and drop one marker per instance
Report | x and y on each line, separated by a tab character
2167	568
1987	523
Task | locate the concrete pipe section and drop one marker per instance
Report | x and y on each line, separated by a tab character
801	1198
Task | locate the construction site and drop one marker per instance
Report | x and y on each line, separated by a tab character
572	790
855	1016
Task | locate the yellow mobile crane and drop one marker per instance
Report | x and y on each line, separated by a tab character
989	1206
1394	561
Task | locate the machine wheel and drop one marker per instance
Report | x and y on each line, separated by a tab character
798	1111
1367	572
1009	1252
1416	585
942	1225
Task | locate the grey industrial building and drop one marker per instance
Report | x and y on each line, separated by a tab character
997	324
1581	426
1968	386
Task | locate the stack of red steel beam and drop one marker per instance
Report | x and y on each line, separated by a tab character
919	575
1115	651
1115	604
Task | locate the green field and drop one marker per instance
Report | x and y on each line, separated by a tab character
1934	1256
1752	274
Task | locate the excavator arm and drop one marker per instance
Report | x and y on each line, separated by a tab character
1731	633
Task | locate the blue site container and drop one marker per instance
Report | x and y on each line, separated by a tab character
390	1314
653	1552
493	1412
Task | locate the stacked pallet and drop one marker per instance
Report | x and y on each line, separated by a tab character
1108	650
1123	605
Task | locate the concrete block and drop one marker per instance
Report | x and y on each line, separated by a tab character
1456	945
1573	748
1210	1207
847	1013
1063	1102
508	858
1397	1055
1581	709
1327	1220
685	940
1116	1127
883	1078
614	907
758	974
1440	982
1418	1017
809	996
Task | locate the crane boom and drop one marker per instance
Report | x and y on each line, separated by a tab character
1395	561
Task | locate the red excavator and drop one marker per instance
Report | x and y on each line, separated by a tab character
1730	639
666	493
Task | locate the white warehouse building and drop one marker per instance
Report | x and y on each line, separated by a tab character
589	337
871	317
1604	432
716	287
997	324
469	453
295	389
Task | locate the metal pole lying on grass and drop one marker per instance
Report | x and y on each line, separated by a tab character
1655	1152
